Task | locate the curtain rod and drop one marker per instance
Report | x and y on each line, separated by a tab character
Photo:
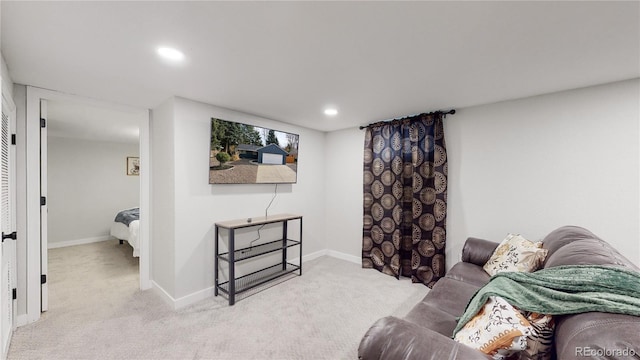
444	113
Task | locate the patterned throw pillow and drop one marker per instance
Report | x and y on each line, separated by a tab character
516	253
498	329
504	332
540	339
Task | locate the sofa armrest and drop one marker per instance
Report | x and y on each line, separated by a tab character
478	251
393	338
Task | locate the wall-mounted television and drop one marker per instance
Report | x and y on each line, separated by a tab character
247	154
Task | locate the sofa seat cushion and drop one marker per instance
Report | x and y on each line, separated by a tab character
451	295
392	338
469	273
432	317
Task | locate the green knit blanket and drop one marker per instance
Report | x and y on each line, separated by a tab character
562	290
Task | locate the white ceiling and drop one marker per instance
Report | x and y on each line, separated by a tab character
289	60
85	121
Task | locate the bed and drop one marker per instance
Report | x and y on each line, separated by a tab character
126	226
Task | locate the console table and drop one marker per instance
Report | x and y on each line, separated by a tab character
243	283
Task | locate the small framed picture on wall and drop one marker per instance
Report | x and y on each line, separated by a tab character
133	165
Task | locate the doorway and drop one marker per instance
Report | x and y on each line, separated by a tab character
36	252
87	185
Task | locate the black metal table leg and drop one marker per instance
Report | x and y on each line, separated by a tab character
232	265
215	289
284	245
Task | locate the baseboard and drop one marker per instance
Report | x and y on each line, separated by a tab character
194	298
343	256
22	320
184	301
53	245
162	293
309	257
209	292
327	252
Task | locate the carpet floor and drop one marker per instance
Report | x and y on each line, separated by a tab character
97	312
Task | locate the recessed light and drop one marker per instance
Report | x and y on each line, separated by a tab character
331	112
170	54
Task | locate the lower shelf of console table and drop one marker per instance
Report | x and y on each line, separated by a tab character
260	277
237	285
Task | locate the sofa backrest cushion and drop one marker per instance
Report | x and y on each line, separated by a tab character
572	245
579	336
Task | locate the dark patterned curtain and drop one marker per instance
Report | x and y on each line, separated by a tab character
405	198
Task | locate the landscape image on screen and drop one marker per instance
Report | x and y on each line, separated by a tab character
247	154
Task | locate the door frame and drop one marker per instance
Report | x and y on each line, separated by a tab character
44	209
32	201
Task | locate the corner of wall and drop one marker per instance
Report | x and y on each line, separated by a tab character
162	144
163	294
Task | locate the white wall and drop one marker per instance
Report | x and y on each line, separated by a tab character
344	161
532	165
87	186
198	205
526	166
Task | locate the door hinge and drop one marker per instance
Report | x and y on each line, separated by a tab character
43	201
14	293
43	279
43	122
12	236
13	139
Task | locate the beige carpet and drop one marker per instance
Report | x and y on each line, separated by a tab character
96	312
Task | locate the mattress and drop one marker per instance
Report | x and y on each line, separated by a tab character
129	233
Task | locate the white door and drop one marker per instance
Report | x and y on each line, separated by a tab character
7	224
43	207
272	159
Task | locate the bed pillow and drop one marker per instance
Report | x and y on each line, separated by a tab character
498	329
516	253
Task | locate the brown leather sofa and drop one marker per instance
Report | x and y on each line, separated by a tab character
425	332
